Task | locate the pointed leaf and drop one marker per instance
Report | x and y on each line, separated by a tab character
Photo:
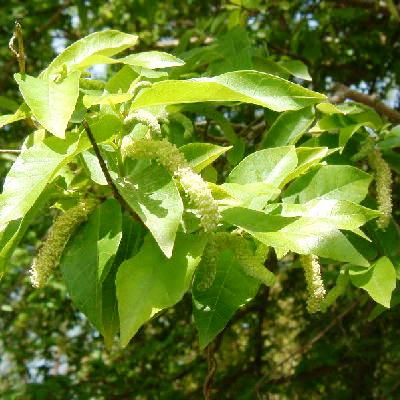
341	182
379	280
269	166
150	282
88	258
288	128
245	86
51	103
104	43
215	306
155	198
300	235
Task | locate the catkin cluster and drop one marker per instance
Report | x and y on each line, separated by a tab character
51	250
315	284
252	263
169	156
383	179
146	118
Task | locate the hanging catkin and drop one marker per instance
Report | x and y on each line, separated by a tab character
51	249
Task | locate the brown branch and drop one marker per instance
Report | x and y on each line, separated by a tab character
344	92
9	151
107	175
212	368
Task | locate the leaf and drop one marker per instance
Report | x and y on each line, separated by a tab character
21	113
341	182
15	230
51	103
234	49
308	157
252	195
214	307
121	81
88	258
154	196
288	128
94	170
379	280
296	68
152	60
342	214
104	43
35	167
200	155
149	282
346	133
269	166
90	100
245	86
300	235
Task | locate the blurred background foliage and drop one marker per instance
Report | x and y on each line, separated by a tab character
272	348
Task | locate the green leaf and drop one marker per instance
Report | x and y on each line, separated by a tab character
149	282
245	86
121	81
200	155
104	43
300	235
51	103
15	230
269	166
152	60
153	195
296	68
346	133
252	195
214	307
341	182
288	128
307	157
21	113
108	99
88	257
379	280
35	167
342	214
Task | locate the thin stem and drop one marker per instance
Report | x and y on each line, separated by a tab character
10	151
107	175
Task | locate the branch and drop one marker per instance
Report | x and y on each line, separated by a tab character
10	151
343	92
109	180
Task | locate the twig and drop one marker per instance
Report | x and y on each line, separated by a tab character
212	368
9	151
343	92
107	175
18	52
307	346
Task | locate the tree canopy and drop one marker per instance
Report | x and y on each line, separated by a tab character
200	199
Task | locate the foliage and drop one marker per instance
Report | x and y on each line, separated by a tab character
185	209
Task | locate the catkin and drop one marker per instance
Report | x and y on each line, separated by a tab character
252	263
315	284
383	179
169	156
146	118
50	252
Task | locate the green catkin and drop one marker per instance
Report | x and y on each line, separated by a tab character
383	180
315	284
91	84
146	118
51	250
252	263
168	155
